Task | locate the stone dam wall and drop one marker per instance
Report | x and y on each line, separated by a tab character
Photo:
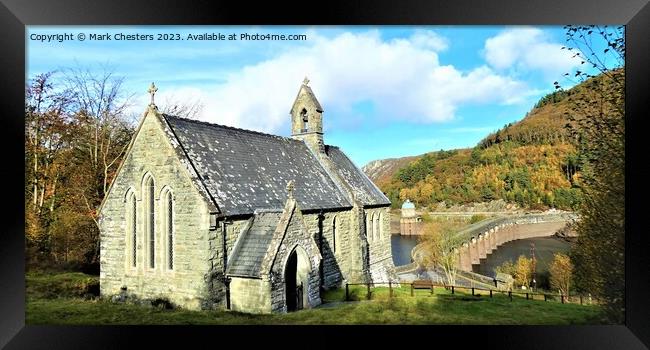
481	239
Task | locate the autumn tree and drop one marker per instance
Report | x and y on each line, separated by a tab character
598	125
523	271
506	267
561	273
102	133
47	144
77	130
438	244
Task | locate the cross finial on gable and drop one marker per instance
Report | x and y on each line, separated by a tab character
290	188
152	91
305	81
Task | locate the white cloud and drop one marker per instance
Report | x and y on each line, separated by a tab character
528	49
402	78
429	40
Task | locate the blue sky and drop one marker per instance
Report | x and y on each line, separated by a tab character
387	91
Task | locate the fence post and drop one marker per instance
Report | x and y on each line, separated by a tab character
510	295
390	289
472	291
368	290
580	299
452	289
411	289
431	288
490	293
562	298
347	293
544	297
526	296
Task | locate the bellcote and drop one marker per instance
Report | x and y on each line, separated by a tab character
307	119
306	112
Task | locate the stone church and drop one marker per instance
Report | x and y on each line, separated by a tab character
209	216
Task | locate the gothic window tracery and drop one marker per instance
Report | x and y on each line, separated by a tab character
131	230
169	227
149	191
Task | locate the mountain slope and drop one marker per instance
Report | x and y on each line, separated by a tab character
533	162
382	170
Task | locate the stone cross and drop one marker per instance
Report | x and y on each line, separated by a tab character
305	82
152	91
290	188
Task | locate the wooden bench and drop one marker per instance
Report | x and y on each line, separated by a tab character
421	284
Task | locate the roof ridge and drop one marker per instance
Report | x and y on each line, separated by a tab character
229	127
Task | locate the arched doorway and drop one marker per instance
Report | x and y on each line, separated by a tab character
296	277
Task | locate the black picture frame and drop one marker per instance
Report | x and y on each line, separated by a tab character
16	14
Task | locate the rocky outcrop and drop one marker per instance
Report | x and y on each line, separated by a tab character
383	169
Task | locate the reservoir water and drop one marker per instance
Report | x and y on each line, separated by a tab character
545	247
401	247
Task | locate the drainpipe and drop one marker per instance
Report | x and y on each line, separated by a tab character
226	280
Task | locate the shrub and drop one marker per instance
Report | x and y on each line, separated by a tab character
476	218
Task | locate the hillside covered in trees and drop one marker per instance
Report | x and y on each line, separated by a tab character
534	162
77	129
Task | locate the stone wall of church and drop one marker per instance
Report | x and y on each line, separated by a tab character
250	295
186	283
335	250
381	267
215	278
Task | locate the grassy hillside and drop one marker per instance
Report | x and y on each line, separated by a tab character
423	308
534	162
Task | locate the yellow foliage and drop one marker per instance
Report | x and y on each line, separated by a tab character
561	271
523	271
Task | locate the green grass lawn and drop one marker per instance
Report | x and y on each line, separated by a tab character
44	307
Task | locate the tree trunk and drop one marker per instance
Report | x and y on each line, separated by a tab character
35	193
56	178
40	202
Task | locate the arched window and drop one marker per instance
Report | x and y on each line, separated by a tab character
368	227
131	228
305	120
380	225
149	190
375	227
334	233
169	227
375	220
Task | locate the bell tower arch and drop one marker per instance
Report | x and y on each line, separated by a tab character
307	118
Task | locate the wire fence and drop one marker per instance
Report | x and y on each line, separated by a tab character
393	287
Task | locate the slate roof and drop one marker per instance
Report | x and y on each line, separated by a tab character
253	245
246	170
364	189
